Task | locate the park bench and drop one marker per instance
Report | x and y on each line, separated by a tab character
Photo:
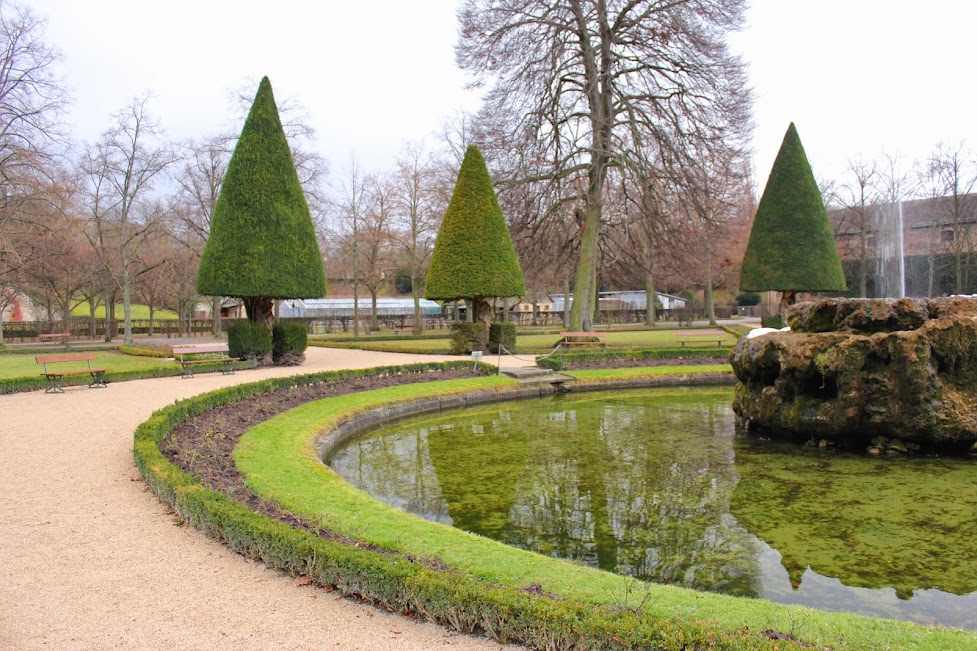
688	337
56	378
586	339
188	357
63	337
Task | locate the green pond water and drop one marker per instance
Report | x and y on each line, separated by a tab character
659	485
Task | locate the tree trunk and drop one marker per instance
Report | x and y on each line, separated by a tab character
787	298
418	318
152	313
127	307
651	301
373	309
261	309
356	308
566	302
216	314
584	289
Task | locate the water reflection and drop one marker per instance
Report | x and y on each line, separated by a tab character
657	485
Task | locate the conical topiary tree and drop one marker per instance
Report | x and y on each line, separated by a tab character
262	243
791	247
473	256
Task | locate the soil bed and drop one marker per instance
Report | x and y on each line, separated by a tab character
202	446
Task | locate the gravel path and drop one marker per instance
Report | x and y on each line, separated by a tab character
89	559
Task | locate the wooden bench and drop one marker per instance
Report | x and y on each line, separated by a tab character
63	337
582	339
186	356
686	337
56	378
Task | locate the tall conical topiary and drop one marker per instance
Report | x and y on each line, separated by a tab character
262	243
473	254
791	246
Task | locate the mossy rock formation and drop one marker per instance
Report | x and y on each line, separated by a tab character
859	368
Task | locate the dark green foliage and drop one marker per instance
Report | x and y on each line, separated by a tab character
18	385
466	337
748	298
402	283
567	361
502	333
791	245
248	340
289	339
262	242
473	254
772	321
136	351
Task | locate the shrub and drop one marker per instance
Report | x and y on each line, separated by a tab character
140	351
466	337
748	298
772	321
289	340
248	340
502	333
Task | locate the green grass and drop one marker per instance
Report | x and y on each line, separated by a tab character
138	312
23	366
610	374
279	461
530	343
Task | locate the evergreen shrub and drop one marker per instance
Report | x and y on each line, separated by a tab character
466	337
502	333
772	321
748	298
289	339
248	340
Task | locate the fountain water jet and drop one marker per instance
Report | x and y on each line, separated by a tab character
892	260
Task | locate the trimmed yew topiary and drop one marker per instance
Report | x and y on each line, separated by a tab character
473	254
262	243
791	246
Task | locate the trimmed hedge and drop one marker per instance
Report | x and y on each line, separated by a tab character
466	337
21	384
398	582
248	340
473	253
562	362
144	352
502	333
288	342
262	241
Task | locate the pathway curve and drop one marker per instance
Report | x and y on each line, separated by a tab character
89	559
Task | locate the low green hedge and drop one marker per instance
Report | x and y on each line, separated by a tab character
144	352
400	582
563	361
17	385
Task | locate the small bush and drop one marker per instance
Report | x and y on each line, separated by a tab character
772	321
288	343
502	333
748	298
466	337
248	340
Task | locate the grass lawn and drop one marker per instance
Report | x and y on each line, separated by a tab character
538	343
138	312
280	463
24	366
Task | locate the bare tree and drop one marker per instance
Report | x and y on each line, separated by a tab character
953	175
858	194
121	170
376	239
419	203
32	100
351	208
590	85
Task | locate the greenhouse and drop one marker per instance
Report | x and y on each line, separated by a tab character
343	307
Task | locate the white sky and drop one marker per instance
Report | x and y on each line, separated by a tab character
856	76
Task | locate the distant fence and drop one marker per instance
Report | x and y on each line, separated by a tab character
81	329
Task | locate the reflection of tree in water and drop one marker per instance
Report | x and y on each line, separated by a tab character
640	491
640	486
907	524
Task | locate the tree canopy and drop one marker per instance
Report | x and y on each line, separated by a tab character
791	246
473	254
262	241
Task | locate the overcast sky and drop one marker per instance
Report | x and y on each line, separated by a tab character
858	77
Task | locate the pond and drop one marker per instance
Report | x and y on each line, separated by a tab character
658	484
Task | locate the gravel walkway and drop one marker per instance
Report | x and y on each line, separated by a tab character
91	560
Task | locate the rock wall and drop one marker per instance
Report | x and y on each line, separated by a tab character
860	368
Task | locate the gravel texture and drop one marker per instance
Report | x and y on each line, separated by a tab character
89	559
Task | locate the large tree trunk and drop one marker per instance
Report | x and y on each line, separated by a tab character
415	295
651	301
127	306
373	309
356	308
261	309
584	289
216	314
